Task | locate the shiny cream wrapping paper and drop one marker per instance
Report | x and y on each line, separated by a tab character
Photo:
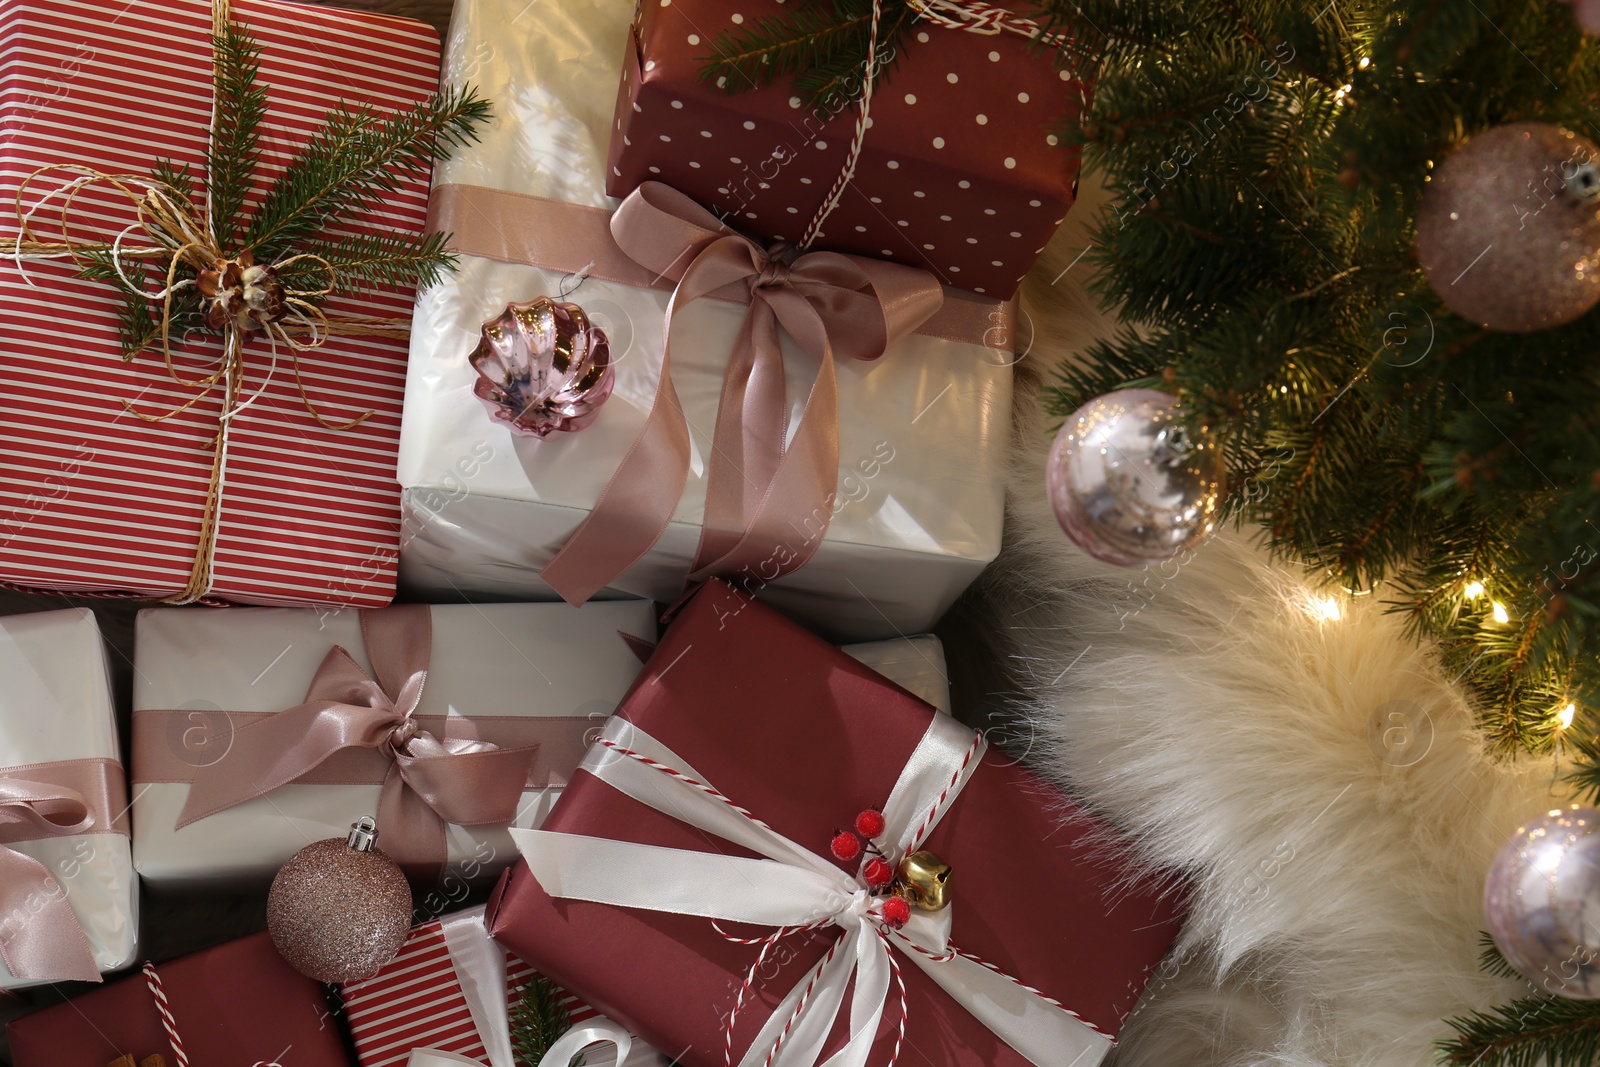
55	705
916	513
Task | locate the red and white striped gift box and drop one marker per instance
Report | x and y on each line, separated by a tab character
91	497
416	1001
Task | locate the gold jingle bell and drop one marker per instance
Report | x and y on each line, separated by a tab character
924	881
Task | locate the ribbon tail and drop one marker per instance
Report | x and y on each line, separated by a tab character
41	938
412	832
636	505
793	514
1042	1031
747	444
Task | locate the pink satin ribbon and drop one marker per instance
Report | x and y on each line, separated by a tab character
41	938
429	782
760	495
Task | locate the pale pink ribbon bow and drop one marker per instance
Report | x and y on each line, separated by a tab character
40	936
766	506
430	781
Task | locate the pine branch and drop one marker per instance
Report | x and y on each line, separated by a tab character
174	177
234	150
357	159
821	45
538	1020
368	262
1532	1031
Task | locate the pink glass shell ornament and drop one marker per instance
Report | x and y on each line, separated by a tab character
543	367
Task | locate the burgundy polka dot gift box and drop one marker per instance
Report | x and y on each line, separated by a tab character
959	171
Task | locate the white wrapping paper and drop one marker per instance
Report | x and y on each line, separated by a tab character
917	510
490	659
493	659
55	705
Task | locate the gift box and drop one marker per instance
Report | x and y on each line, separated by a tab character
890	534
451	989
530	679
69	901
233	1005
961	172
767	741
92	496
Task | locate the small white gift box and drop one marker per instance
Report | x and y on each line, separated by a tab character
71	903
915	513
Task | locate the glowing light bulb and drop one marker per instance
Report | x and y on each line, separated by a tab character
1474	590
1564	716
1366	61
1324	607
1500	614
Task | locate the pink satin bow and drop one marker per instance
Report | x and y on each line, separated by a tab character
430	781
40	935
766	505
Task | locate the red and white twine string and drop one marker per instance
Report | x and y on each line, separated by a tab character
770	941
869	77
158	993
969	15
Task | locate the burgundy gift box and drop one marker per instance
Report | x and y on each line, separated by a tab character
234	1006
959	173
803	736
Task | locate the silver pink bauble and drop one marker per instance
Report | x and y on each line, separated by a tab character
1508	229
543	367
1542	899
1127	484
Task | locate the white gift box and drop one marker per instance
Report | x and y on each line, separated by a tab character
56	707
492	661
916	513
201	674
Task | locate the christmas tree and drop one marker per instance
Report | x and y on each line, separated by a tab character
1278	166
1386	335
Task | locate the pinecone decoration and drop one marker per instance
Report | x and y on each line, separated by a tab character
238	291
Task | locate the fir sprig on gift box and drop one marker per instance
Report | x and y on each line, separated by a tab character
820	44
538	1020
359	157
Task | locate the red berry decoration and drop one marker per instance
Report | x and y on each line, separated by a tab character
878	873
846	845
896	912
869	824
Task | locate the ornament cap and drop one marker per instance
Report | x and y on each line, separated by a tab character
363	834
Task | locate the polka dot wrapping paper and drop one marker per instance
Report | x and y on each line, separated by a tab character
960	173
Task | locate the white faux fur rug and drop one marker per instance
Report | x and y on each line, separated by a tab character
1215	713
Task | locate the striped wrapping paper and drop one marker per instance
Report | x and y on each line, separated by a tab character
93	499
416	1001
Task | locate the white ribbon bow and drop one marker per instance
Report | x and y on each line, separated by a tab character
560	1054
794	888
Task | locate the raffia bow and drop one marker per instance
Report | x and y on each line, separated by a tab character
188	244
431	781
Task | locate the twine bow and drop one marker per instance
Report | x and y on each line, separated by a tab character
242	299
431	781
765	503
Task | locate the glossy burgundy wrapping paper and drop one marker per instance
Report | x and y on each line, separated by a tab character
958	173
235	1005
805	737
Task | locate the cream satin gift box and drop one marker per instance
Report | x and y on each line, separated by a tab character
208	683
916	511
68	871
